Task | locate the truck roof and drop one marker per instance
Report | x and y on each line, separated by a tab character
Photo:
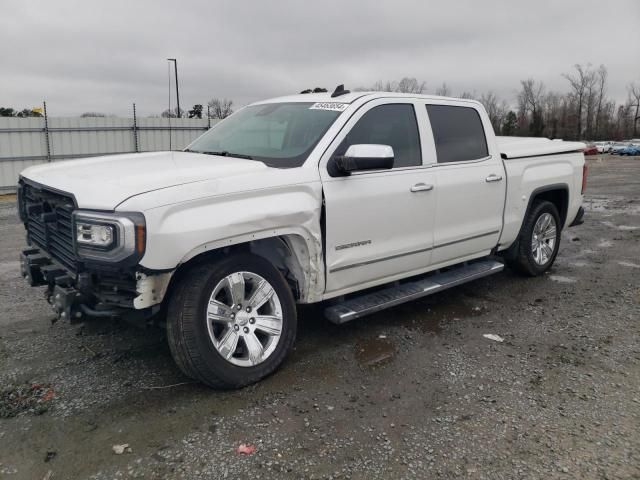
353	96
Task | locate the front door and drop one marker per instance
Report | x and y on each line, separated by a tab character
379	224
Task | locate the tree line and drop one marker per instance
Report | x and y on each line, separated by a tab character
216	108
25	112
582	112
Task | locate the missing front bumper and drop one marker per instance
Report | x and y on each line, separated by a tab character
75	296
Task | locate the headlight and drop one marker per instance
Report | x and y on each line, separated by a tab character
101	236
109	237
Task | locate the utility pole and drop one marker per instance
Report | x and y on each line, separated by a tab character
175	69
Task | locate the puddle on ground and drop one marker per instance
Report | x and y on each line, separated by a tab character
424	321
627	228
610	205
579	263
371	352
628	264
429	316
561	279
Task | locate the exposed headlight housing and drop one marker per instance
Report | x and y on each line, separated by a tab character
109	237
93	235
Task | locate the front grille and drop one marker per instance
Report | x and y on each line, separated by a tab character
47	217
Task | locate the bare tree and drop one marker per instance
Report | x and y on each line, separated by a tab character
173	113
443	90
388	86
469	95
602	75
220	108
531	99
495	109
583	111
579	83
411	85
591	93
634	96
553	113
405	85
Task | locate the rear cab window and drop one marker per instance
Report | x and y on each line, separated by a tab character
458	133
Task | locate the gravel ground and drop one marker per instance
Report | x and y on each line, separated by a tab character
413	392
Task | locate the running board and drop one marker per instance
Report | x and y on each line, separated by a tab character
389	297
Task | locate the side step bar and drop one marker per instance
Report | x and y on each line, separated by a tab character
389	297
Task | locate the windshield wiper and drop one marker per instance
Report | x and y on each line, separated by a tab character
224	153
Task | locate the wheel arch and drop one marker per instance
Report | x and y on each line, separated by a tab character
558	194
290	253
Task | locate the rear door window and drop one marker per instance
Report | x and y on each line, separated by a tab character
394	125
458	133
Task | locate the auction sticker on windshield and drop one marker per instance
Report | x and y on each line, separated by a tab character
336	107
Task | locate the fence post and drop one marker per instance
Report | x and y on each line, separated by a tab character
208	117
46	131
135	129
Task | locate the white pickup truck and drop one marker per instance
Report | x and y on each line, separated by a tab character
358	200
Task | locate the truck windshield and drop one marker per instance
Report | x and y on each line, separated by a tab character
280	135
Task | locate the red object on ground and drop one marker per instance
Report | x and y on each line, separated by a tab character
245	449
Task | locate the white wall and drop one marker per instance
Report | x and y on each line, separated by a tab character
23	141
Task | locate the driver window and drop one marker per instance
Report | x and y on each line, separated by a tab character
393	125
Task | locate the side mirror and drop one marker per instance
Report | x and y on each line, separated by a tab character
361	157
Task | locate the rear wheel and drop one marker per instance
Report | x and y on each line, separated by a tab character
539	240
231	322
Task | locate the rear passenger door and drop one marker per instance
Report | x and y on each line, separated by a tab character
471	184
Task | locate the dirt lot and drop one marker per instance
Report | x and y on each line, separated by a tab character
413	392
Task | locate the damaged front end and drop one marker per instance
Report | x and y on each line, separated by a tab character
87	260
99	293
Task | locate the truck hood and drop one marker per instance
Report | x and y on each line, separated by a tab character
104	182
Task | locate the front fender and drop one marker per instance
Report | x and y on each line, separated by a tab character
179	232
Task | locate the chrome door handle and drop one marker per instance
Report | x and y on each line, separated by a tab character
421	187
493	178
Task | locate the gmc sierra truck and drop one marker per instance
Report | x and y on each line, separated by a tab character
358	200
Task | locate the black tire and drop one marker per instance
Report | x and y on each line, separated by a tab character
522	259
187	332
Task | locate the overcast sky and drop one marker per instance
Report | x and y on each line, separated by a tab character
103	55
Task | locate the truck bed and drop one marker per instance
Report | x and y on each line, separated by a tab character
520	147
533	165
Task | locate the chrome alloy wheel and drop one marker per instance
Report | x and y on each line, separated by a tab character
244	319
543	241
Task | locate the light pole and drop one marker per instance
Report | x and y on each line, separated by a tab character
175	68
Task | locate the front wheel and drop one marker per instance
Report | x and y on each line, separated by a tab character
539	240
231	322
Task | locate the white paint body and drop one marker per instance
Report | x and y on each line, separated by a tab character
195	203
